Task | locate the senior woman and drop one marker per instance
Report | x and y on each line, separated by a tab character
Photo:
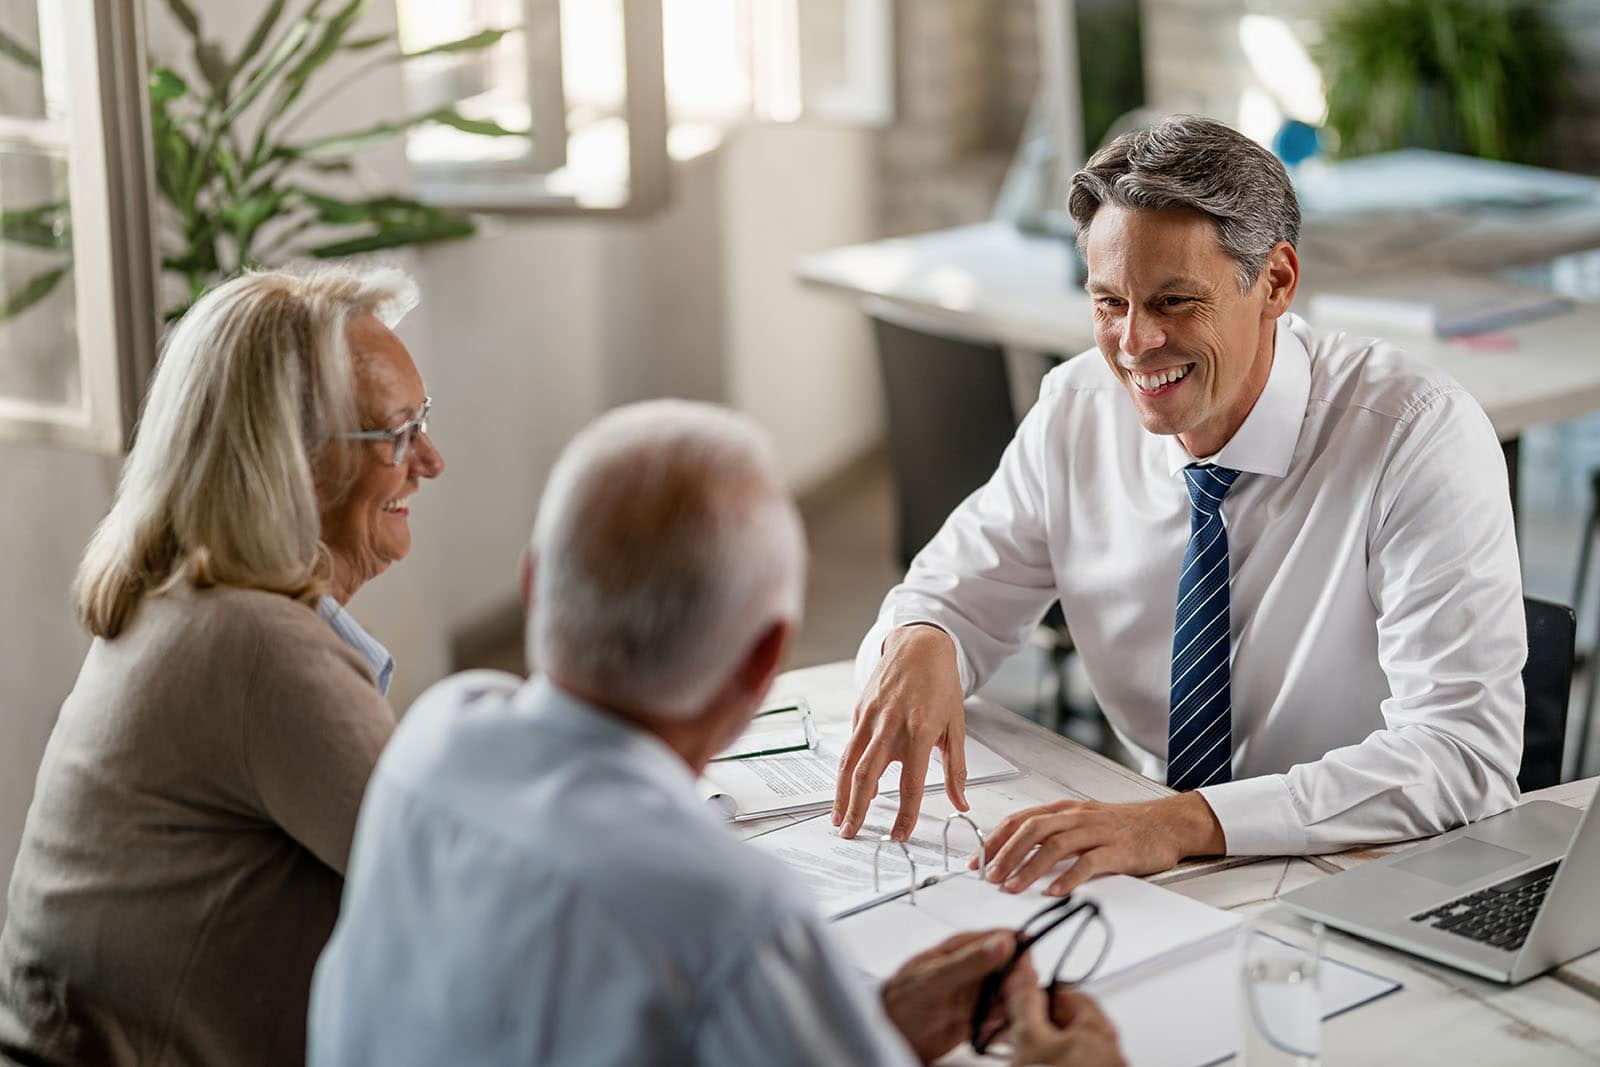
184	854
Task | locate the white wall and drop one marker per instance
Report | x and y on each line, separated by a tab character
526	332
799	361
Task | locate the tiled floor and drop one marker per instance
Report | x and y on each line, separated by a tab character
850	528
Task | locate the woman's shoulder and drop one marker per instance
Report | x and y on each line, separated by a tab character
234	626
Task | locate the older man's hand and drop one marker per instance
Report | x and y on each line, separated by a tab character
931	999
1058	1027
1141	838
911	703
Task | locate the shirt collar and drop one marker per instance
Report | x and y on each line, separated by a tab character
594	727
1265	442
367	647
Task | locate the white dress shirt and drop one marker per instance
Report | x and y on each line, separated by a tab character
534	881
1377	619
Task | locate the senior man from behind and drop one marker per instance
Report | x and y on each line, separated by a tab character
535	878
1286	557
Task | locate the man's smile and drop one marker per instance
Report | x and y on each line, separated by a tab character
1156	383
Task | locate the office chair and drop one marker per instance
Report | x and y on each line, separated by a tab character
950	417
1547	684
1590	526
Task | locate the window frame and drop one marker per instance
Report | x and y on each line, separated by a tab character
110	180
524	186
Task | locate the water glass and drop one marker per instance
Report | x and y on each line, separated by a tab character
1280	987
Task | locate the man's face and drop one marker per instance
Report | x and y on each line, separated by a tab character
1191	349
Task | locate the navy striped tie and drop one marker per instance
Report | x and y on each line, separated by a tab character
1200	727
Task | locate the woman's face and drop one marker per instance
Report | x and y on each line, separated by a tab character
370	527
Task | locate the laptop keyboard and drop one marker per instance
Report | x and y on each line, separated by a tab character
1501	915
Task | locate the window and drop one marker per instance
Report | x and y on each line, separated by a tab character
608	90
77	270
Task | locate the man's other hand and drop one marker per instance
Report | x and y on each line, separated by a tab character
1141	838
931	999
911	703
1058	1027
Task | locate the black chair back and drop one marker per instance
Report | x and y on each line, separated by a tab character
950	417
1547	685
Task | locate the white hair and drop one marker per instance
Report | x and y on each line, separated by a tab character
663	550
226	480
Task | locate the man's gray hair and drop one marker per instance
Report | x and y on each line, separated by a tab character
1197	163
664	548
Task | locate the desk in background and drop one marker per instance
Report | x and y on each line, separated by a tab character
1440	1016
1405	212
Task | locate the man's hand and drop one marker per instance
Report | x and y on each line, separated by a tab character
931	999
1106	839
1059	1027
911	703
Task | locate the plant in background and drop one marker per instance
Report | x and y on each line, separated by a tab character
1476	76
237	188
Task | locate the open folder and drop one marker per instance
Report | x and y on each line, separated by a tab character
1170	974
790	783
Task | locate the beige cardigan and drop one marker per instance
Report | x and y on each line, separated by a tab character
183	858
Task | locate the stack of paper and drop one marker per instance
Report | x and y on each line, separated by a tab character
1436	304
797	782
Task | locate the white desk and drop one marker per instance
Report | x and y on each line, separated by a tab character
994	283
1440	1016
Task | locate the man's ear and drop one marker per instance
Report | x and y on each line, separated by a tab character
1283	278
526	576
761	663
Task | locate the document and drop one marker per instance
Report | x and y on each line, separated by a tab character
880	928
838	874
1148	925
795	782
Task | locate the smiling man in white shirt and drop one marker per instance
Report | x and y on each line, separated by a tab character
1287	559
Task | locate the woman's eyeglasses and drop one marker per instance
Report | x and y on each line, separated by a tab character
404	436
1088	941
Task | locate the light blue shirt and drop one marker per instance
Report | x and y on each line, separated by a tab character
535	881
367	647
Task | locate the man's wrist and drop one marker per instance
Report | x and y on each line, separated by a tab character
1196	828
919	633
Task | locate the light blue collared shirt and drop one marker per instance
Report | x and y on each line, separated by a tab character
536	881
367	647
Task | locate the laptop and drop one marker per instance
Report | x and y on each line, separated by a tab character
1507	898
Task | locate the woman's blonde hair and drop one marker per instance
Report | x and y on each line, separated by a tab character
225	483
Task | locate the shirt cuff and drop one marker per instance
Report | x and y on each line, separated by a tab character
1258	816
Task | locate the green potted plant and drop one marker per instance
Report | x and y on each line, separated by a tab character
237	187
1481	77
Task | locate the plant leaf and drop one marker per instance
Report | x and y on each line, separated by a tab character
343	143
165	85
482	127
185	14
476	42
333	34
258	37
447	228
213	63
363	44
16	51
37	288
280	58
41	226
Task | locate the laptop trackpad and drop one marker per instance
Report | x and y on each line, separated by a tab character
1462	860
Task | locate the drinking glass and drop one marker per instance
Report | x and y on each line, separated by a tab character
1280	986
